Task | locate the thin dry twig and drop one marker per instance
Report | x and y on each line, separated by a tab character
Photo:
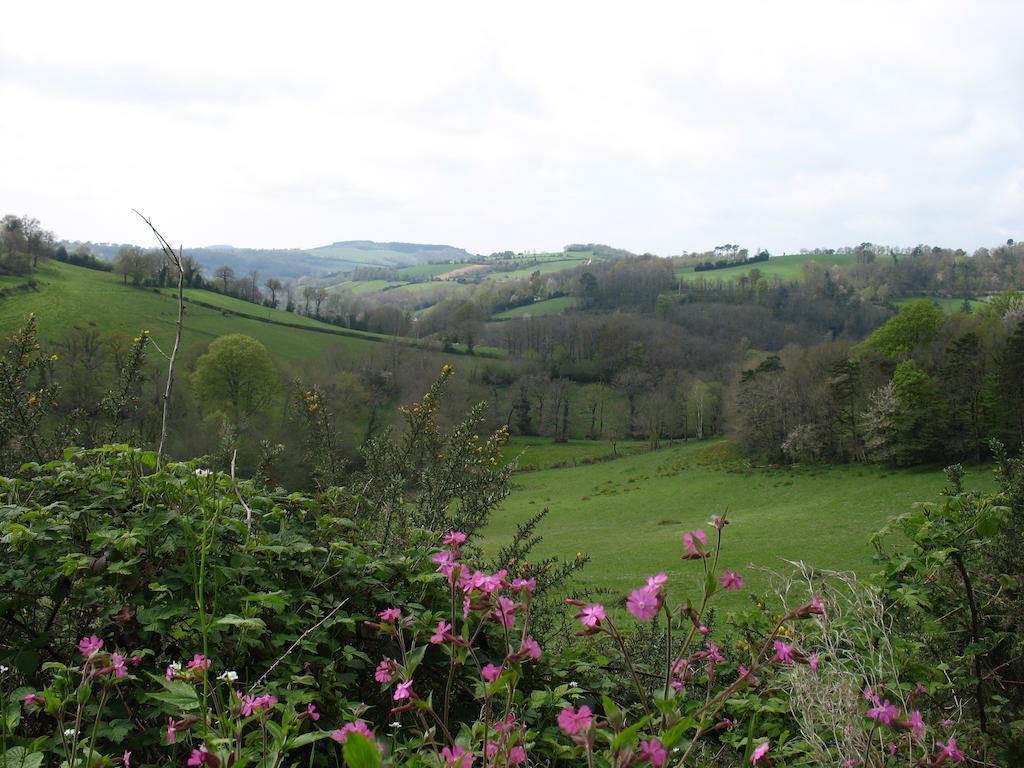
238	493
295	645
176	262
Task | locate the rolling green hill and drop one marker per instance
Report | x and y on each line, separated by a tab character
69	297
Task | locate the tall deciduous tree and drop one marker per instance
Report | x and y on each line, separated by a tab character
225	275
238	373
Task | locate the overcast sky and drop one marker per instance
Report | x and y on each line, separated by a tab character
657	127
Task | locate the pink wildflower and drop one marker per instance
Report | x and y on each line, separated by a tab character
783	652
403	690
31	699
813	608
199	662
456	757
884	713
385	671
359	726
528	584
455	539
311	711
758	754
443	628
951	751
490	673
654	752
644	603
506	612
744	672
89	645
731	580
703	630
813	663
516	756
254	704
573	722
199	756
592	615
117	662
531	648
655	582
712	653
494	582
916	723
172	734
693	545
126	759
390	614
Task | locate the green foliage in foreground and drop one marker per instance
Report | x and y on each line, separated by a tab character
279	598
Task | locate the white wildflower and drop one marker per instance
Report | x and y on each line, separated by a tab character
228	676
69	733
202	473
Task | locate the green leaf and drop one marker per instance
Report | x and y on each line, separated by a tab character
20	757
307	738
179	694
360	752
612	712
629	736
231	620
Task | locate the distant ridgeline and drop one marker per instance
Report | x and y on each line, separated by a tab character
706	266
344	256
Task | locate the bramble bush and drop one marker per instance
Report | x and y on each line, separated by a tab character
181	615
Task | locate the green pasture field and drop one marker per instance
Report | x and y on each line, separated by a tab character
789	267
545	268
544	453
547	307
432	269
630	514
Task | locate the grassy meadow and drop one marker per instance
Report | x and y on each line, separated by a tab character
789	267
546	307
629	514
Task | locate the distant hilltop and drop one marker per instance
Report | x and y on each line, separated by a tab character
341	256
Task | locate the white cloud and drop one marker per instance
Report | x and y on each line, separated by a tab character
654	126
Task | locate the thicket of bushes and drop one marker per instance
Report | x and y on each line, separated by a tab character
153	616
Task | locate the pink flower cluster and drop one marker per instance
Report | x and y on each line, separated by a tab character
254	705
884	713
103	664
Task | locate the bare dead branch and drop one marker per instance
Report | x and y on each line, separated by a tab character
176	261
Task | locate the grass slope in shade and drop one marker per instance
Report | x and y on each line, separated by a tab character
70	297
544	453
783	267
629	516
538	308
